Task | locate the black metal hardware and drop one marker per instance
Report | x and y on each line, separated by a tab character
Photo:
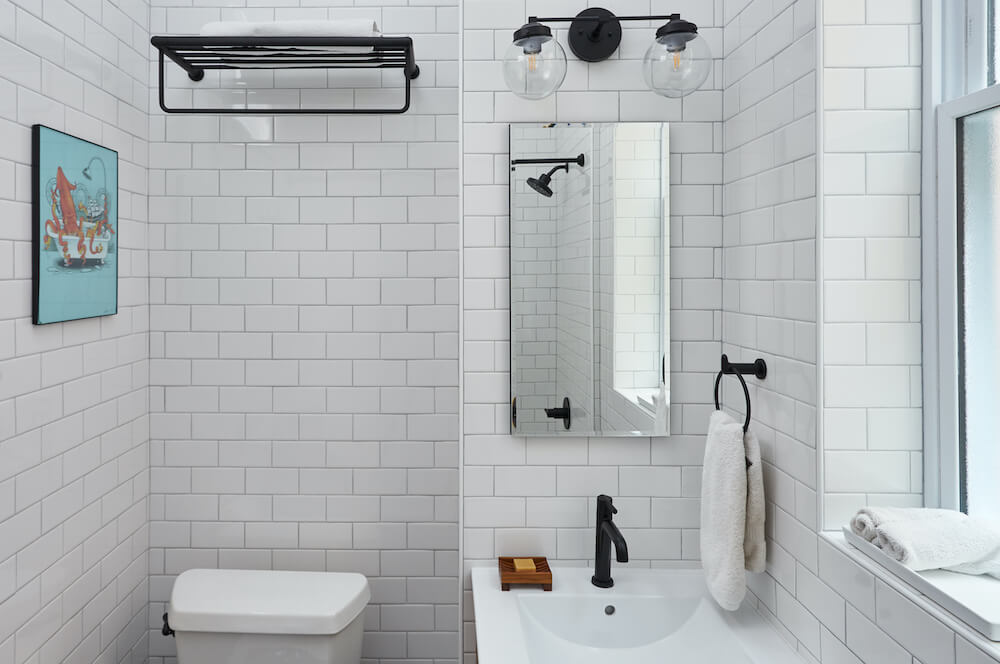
166	631
607	534
579	160
561	413
541	183
756	368
582	16
513	412
195	55
595	33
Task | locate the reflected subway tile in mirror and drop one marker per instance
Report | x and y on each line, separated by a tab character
589	279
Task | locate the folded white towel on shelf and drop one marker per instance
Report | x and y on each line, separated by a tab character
868	519
724	511
298	28
754	544
941	539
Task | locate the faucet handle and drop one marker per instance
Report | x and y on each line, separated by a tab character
605	507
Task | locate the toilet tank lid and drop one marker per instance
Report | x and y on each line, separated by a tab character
266	602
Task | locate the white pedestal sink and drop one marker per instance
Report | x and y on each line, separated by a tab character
648	617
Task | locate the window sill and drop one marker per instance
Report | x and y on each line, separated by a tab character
947	607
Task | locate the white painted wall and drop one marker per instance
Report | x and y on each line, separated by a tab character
74	453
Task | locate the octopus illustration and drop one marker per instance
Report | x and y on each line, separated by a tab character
79	230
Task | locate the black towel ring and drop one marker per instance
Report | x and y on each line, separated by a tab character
746	393
758	368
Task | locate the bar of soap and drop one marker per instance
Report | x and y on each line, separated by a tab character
524	565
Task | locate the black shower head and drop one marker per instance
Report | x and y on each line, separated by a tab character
541	184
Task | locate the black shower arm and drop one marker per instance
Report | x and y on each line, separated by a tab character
560	167
579	160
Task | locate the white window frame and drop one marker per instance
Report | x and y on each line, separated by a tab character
947	287
955	75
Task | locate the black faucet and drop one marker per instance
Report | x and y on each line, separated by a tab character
607	532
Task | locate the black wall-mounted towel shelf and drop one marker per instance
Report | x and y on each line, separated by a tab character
196	55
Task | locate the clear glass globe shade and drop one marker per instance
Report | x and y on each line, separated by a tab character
671	71
534	75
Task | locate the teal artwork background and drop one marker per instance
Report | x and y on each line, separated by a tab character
75	277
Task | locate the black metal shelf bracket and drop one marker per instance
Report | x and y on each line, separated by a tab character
198	54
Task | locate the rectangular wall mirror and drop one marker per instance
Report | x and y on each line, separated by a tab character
590	279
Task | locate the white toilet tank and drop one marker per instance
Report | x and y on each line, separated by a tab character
268	617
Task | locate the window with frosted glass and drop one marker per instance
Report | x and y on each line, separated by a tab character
979	310
992	47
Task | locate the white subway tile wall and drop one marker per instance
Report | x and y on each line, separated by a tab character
534	268
770	288
304	363
871	254
537	495
574	243
74	424
293	344
638	152
831	607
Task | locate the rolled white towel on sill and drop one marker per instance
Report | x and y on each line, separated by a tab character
353	27
989	566
868	519
943	540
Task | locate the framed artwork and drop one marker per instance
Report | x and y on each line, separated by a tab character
75	227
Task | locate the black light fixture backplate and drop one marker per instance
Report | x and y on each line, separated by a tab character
595	34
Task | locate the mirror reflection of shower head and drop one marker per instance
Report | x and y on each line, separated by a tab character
541	183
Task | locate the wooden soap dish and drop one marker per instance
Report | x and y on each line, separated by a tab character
541	575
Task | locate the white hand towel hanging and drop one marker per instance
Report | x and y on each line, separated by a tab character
724	511
754	542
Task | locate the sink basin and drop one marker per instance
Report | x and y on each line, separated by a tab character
602	622
648	617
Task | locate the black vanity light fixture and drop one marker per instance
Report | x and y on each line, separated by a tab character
675	65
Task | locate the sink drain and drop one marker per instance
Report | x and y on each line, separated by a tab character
609	609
